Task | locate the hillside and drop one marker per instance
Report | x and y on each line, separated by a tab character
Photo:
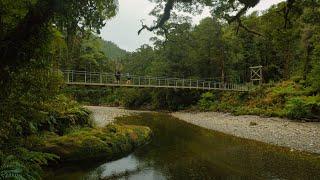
111	50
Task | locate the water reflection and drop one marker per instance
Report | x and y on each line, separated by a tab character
184	151
125	168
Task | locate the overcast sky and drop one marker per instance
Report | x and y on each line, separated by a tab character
123	28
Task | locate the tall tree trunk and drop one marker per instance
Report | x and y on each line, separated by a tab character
307	61
287	60
222	68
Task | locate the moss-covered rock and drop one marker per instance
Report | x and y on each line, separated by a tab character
109	142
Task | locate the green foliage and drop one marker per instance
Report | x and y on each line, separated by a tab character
64	113
314	78
23	164
156	99
303	107
206	101
286	99
94	54
11	168
88	144
35	37
34	104
296	108
135	97
111	50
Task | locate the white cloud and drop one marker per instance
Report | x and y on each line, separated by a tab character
265	4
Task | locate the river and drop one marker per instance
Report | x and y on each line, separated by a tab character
179	150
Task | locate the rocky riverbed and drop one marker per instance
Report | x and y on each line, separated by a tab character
302	136
104	115
282	132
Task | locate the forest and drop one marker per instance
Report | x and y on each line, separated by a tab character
40	38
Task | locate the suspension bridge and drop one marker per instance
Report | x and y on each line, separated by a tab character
109	80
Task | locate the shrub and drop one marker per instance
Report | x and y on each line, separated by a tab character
173	99
303	107
34	103
206	101
285	99
58	115
21	163
296	108
134	98
314	78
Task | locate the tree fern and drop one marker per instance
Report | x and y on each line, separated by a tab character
11	168
23	164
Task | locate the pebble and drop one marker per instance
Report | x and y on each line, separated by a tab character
270	130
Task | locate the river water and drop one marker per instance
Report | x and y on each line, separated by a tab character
179	150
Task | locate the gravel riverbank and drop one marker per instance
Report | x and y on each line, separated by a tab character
105	115
282	132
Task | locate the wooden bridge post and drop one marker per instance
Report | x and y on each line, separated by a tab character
85	76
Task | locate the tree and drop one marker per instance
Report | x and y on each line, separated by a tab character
22	37
223	9
211	48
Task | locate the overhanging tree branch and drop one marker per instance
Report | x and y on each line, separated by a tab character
240	25
163	19
170	3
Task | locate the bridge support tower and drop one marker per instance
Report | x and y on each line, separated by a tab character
256	74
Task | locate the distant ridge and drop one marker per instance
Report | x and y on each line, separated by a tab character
111	50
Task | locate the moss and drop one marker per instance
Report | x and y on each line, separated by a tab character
89	144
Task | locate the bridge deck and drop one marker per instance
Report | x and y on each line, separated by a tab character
108	79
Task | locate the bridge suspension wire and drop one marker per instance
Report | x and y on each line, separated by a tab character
72	77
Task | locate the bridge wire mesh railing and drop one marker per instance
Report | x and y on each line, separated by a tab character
109	79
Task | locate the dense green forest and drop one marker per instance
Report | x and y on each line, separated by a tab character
112	51
41	37
218	51
91	54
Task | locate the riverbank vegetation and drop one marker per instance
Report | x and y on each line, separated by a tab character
86	144
135	98
34	38
41	37
284	99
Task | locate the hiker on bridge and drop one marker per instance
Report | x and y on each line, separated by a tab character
128	78
118	76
